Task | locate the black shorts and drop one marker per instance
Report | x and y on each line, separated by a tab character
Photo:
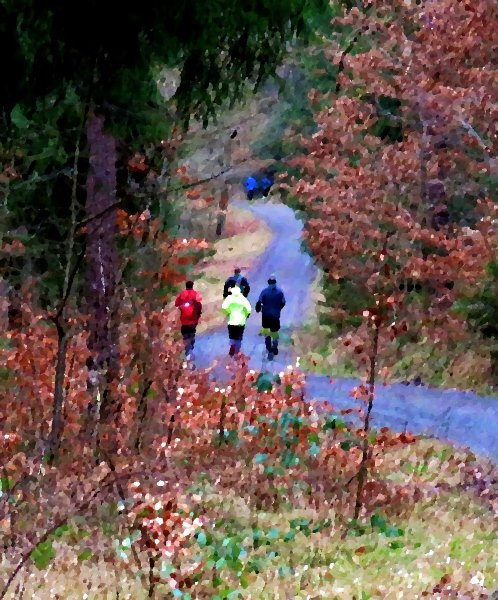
271	323
188	329
236	332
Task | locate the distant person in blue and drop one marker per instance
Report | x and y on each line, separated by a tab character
266	183
255	185
270	303
251	186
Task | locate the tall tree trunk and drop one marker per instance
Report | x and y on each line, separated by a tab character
362	473
222	211
102	257
61	387
14	310
4	305
59	393
424	156
145	385
152	583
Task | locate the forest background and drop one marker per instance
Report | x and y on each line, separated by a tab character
142	478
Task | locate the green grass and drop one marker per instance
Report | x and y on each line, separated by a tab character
290	552
460	539
300	553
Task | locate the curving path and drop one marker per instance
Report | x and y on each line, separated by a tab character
464	418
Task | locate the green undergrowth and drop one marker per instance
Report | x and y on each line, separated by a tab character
302	554
294	552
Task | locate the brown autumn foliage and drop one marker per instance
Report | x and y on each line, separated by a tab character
186	432
170	426
372	223
378	208
378	214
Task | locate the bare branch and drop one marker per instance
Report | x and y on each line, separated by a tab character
174	189
469	129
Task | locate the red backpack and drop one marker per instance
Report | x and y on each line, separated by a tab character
189	310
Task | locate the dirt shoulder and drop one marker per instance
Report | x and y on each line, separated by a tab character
246	239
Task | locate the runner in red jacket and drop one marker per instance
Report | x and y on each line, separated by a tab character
190	304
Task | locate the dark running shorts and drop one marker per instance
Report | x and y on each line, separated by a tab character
188	329
271	323
236	332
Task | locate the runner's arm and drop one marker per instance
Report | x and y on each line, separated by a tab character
247	287
226	288
225	307
199	305
259	303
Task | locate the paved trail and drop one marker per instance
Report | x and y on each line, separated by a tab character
463	418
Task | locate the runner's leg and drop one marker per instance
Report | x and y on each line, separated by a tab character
192	339
184	331
239	335
188	333
267	323
231	340
275	335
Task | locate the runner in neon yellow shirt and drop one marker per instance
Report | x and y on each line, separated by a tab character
237	308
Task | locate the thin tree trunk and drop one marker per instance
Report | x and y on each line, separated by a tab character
486	150
225	161
423	158
142	413
222	211
4	304
59	393
10	303
351	44
152	585
74	202
362	473
171	429
14	311
222	420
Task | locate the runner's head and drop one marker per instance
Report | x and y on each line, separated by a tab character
272	280
189	285
236	270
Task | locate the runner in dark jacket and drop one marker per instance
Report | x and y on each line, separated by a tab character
266	183
236	279
270	303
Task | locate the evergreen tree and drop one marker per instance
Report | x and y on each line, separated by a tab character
102	60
